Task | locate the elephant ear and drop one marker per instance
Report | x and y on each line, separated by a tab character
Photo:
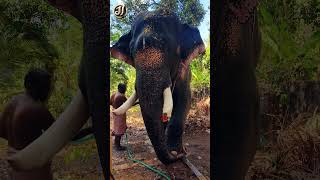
121	49
191	46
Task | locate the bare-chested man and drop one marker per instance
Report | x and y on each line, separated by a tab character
24	119
119	121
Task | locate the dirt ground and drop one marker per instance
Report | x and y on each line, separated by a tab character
81	161
196	141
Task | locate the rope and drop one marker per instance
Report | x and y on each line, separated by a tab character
130	155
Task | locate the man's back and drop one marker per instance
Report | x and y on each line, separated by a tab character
22	121
117	99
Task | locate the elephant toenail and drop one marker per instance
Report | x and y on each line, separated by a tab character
175	153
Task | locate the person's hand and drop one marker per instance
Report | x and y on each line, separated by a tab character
11	161
11	158
20	162
114	112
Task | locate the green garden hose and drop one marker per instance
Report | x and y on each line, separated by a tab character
86	138
142	163
130	155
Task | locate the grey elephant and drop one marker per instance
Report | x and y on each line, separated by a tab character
160	47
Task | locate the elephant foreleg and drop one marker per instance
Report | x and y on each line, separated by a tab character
181	107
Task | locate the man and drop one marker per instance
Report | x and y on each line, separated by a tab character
24	119
119	121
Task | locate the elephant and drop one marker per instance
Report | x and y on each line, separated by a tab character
236	50
160	48
91	98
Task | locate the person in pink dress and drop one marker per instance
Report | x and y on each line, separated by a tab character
119	121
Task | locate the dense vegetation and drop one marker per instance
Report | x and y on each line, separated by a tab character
291	42
290	52
34	34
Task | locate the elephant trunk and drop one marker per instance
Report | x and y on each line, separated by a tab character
155	100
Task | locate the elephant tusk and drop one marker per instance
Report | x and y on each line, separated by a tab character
126	105
167	102
41	150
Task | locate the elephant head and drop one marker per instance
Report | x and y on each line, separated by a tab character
91	98
160	48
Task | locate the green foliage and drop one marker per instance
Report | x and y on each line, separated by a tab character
35	34
30	20
311	12
118	73
23	43
69	46
200	69
290	43
118	69
131	81
189	11
121	73
79	152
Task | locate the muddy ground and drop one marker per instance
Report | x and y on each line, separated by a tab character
196	141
